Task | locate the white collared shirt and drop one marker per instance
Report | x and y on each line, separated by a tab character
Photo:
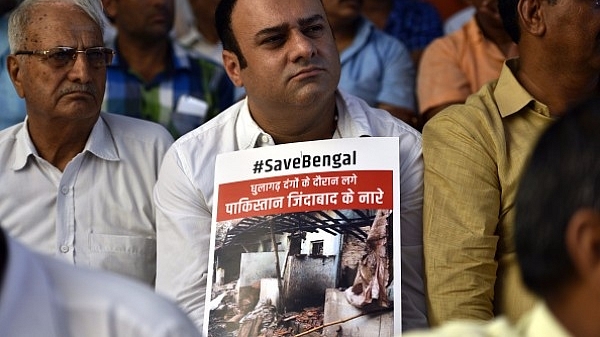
41	296
184	199
194	40
98	212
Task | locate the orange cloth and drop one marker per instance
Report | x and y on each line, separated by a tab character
455	66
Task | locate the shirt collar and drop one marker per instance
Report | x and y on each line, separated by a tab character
180	57
191	37
23	146
511	96
249	133
194	40
100	143
351	123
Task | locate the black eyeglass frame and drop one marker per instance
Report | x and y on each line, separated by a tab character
62	56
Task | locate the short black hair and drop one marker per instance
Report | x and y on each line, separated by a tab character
562	176
225	31
510	21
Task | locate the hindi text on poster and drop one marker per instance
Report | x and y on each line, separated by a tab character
305	192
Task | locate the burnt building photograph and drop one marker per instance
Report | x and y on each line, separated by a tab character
317	273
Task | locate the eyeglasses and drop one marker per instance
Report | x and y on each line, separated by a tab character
97	57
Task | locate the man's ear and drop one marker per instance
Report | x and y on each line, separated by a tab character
232	67
14	71
531	17
582	239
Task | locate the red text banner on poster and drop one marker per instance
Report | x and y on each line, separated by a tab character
306	192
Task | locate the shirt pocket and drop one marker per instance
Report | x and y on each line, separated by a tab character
132	256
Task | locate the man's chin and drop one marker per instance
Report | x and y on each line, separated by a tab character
82	108
310	95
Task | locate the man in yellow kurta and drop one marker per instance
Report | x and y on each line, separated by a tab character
556	235
475	152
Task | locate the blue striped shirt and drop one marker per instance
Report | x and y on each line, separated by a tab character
190	76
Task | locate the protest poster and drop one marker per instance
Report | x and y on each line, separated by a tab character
302	240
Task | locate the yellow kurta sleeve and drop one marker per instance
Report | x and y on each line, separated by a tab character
460	215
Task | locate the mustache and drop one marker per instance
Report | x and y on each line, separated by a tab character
79	88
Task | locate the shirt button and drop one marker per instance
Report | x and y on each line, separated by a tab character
264	139
64	248
64	190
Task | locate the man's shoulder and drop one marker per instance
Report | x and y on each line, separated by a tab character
101	294
10	132
490	96
479	114
8	142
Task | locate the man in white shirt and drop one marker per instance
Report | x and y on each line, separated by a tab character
284	54
76	183
195	27
41	296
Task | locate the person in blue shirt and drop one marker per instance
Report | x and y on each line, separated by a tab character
154	78
414	22
375	66
13	107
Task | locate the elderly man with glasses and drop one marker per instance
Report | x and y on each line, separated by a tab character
76	182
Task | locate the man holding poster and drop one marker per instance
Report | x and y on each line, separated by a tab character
284	55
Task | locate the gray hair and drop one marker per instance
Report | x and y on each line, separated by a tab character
20	18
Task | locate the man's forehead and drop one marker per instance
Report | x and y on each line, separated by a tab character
261	14
69	20
48	11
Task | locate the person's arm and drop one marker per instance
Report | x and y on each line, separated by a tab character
183	224
414	308
460	215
